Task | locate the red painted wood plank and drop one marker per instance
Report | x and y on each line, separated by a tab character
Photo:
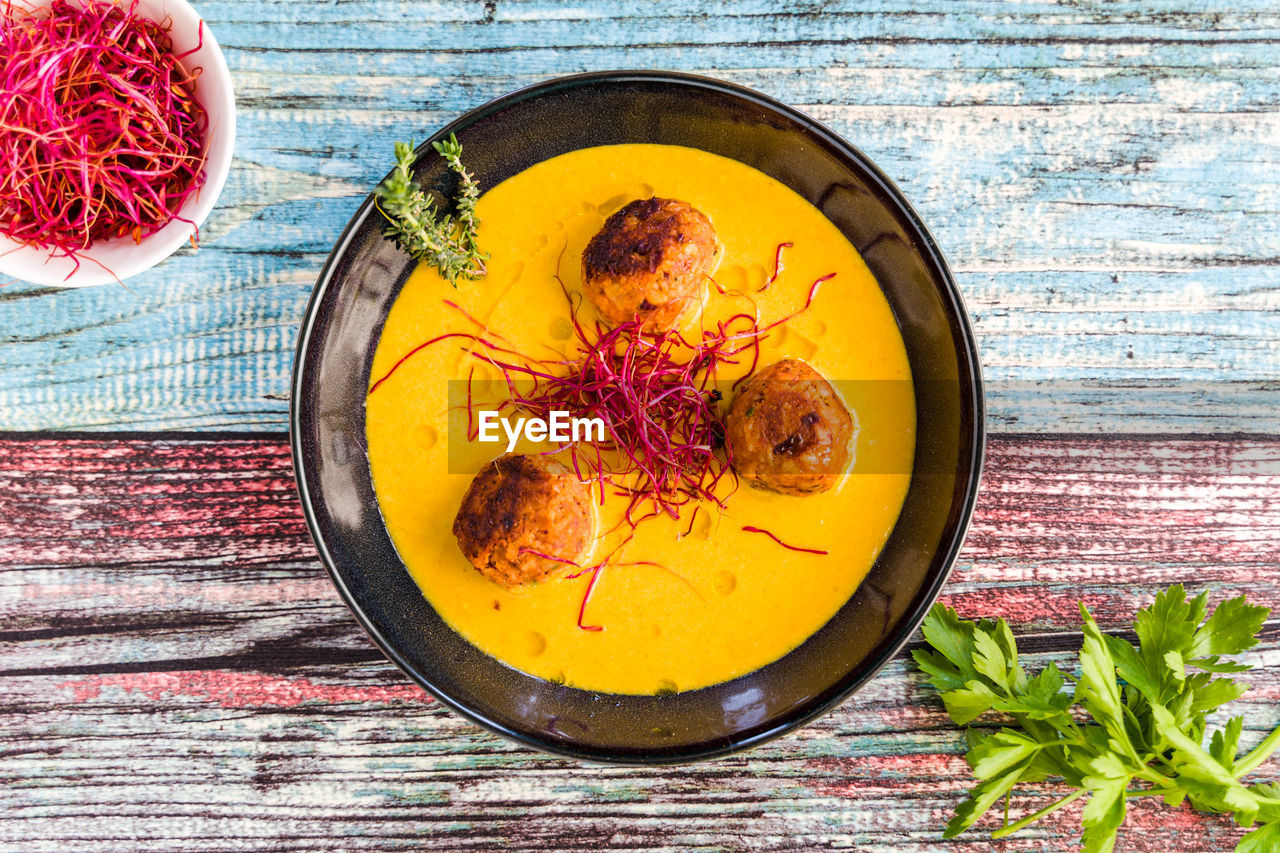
181	645
243	689
1180	495
94	528
61	500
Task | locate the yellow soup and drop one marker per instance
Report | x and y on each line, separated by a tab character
708	601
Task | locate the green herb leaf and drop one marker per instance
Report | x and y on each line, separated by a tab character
1098	691
1220	691
1226	743
952	636
1132	667
980	799
1230	630
1041	697
1264	839
989	658
446	242
1169	623
1268	793
1187	751
999	752
1214	664
1194	763
1146	708
943	675
1105	812
969	702
1173	661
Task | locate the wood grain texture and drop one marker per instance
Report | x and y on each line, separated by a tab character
176	672
1101	175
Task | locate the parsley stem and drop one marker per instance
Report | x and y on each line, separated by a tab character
1259	754
1011	828
1155	777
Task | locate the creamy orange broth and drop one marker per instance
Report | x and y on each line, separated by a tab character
723	601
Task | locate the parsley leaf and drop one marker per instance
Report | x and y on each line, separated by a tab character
1105	812
1230	630
1143	720
1264	839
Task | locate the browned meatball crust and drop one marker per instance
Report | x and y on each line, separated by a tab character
788	430
518	504
650	260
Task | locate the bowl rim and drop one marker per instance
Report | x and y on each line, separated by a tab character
29	264
972	388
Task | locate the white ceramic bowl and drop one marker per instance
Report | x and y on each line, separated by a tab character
122	256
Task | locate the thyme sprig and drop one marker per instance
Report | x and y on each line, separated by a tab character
420	228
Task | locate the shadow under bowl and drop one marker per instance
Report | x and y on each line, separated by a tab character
364	275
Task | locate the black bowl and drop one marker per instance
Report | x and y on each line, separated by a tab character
327	418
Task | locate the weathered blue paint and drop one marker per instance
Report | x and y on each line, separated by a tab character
1101	176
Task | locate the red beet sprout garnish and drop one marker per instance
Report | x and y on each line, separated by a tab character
419	348
654	392
591	584
100	132
582	570
750	529
473	431
475	339
777	266
692	518
565	560
595	576
670	571
484	328
595	571
813	291
586	597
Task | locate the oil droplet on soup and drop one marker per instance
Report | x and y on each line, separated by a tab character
690	610
535	643
725	582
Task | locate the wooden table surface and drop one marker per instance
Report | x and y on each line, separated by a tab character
177	673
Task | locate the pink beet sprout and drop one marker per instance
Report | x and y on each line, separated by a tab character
750	529
655	392
101	135
777	265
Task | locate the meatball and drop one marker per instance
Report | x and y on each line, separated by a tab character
650	260
521	504
788	431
